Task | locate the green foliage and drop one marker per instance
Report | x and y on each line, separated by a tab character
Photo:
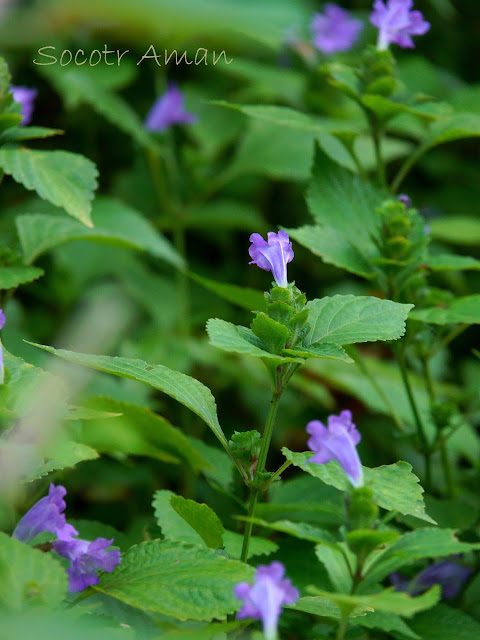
65	179
30	578
12	277
157	576
114	223
202	520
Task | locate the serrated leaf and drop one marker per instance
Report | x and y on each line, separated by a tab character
325	608
446	623
386	600
349	319
202	519
394	486
412	546
12	277
244	297
137	431
230	337
322	350
65	179
271	333
185	582
258	546
334	247
115	223
460	311
186	390
29	578
64	456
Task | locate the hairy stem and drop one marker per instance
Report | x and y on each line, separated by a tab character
262	458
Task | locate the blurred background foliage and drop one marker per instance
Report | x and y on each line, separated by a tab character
229	176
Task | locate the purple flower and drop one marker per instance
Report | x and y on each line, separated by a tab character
404	199
168	110
25	97
46	515
448	574
273	255
265	598
396	23
335	30
338	442
85	559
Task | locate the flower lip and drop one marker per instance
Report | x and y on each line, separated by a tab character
273	254
397	22
337	441
168	110
334	30
25	96
265	598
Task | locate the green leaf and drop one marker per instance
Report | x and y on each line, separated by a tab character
446	623
386	108
386	600
202	519
394	486
334	247
277	115
78	86
388	622
115	223
28	577
412	546
322	350
325	608
460	311
137	431
349	319
450	262
65	179
300	530
15	134
12	277
460	230
244	297
271	333
186	390
337	560
180	581
230	337
215	631
177	529
454	127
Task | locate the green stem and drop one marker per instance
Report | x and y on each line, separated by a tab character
400	357
377	143
342	628
428	379
353	353
456	331
262	458
447	467
278	473
404	169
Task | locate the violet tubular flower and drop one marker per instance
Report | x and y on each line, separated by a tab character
26	98
397	22
334	30
272	255
86	558
46	515
265	598
168	110
337	442
450	575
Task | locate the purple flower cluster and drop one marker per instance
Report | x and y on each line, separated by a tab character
397	22
272	255
450	575
337	442
168	110
85	557
26	98
265	598
334	30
